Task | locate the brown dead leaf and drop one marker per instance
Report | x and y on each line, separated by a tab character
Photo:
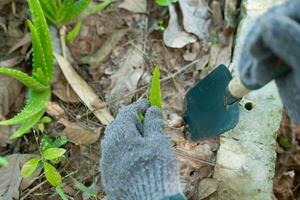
174	35
10	177
78	134
24	41
196	17
136	6
11	62
63	90
207	187
54	110
126	78
83	90
105	49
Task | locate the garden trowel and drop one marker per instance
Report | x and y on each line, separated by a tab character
212	105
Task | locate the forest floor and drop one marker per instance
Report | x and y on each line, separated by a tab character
115	54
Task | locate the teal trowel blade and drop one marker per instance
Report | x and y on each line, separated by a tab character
206	113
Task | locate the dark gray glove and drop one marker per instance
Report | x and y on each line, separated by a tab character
273	42
138	162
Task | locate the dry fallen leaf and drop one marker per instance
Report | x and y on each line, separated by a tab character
83	90
174	36
196	17
136	6
10	177
24	41
95	59
207	187
63	90
78	134
54	110
126	78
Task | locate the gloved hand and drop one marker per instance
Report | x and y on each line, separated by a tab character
138	162
274	41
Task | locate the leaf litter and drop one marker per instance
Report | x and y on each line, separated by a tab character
112	60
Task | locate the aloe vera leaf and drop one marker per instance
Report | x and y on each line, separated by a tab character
76	10
66	11
27	80
50	10
38	56
28	124
36	103
73	33
155	95
42	30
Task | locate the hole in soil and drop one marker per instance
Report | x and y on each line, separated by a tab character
248	106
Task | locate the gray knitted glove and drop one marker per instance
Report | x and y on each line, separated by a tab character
138	162
274	41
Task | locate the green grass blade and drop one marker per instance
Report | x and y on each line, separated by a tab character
73	33
28	124
38	56
41	26
27	80
99	7
155	95
37	103
61	193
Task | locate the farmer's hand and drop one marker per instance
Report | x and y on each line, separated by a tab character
137	158
275	39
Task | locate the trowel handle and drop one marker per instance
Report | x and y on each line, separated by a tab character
236	88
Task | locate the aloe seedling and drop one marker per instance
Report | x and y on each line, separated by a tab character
164	2
155	95
58	12
42	73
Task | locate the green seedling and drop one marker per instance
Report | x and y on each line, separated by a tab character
285	142
89	191
155	94
60	12
3	162
51	154
99	7
164	2
42	73
73	33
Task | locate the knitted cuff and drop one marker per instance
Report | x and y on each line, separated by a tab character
154	182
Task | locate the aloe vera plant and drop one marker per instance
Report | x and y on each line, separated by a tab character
60	12
42	73
155	94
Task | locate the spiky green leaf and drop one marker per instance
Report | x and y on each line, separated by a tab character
38	57
75	10
27	80
42	30
52	175
155	95
27	125
53	153
50	10
29	167
36	104
73	33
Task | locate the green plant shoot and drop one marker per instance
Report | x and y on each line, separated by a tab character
155	94
42	73
51	152
73	33
60	12
164	2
